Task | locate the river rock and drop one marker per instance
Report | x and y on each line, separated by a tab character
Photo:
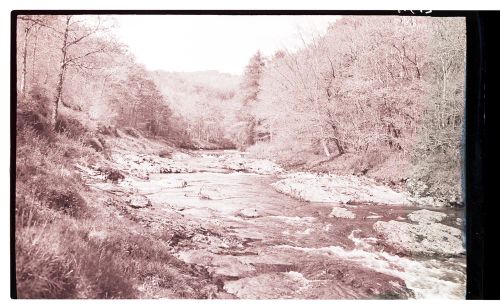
426	216
268	286
426	201
137	202
257	166
342	213
248	213
225	265
421	238
338	189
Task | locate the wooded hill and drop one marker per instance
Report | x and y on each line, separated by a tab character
206	100
380	95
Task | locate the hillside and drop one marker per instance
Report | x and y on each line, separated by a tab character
206	101
188	92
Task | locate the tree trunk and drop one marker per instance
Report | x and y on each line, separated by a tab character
325	147
33	61
57	100
60	82
339	146
25	70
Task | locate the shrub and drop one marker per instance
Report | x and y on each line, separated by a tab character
164	153
37	100
368	160
60	190
73	127
37	122
437	176
106	280
132	132
70	202
95	144
108	130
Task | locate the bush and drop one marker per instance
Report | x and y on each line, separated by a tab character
37	100
70	203
164	153
95	144
105	279
437	176
132	132
70	126
368	160
59	190
108	130
35	121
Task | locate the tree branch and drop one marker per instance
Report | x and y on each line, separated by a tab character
70	60
85	35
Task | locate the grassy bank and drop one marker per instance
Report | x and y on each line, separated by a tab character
75	242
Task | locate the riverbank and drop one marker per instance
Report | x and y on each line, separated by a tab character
420	185
168	223
214	195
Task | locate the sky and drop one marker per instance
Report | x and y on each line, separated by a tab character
207	42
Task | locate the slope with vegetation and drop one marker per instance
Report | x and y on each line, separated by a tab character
376	96
80	96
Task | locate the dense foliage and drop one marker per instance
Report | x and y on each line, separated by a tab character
373	86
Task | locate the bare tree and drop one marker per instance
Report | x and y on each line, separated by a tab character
74	52
31	25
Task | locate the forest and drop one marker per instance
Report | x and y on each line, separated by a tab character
376	96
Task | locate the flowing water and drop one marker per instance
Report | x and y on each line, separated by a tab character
257	243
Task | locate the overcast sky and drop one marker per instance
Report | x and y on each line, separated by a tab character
224	43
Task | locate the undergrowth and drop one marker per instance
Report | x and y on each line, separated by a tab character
67	244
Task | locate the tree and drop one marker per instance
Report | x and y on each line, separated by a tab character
138	103
30	25
244	129
76	50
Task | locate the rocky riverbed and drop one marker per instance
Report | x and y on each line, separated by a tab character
262	233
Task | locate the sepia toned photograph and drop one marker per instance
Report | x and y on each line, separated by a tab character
179	156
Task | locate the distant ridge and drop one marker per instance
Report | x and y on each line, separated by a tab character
188	93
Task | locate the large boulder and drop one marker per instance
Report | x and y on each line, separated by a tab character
342	213
426	216
138	202
248	213
338	189
114	176
421	238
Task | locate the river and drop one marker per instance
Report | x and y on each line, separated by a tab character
257	243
